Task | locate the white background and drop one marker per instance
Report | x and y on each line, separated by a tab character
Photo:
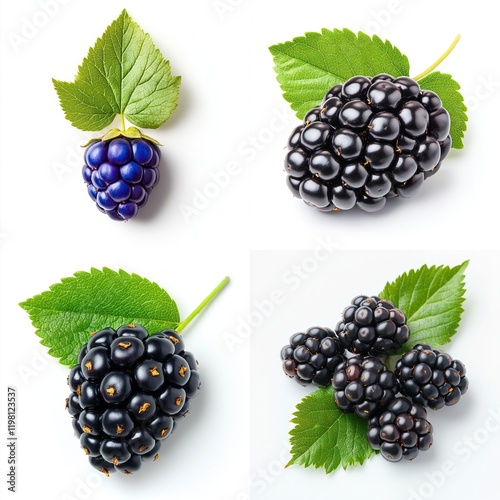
229	100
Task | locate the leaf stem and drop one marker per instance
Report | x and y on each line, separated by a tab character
439	61
122	118
204	304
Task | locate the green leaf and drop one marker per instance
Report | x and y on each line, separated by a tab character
431	298
122	74
324	436
69	311
309	65
448	90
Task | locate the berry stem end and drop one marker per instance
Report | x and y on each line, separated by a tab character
204	304
439	61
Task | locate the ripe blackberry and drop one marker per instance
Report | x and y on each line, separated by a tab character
372	326
371	139
312	356
400	431
364	386
127	392
430	377
120	174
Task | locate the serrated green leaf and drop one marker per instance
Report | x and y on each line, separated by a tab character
122	74
69	311
448	90
431	298
309	65
325	437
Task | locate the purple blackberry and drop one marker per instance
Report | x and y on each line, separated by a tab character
120	174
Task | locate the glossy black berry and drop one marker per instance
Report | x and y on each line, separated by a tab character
323	164
115	451
103	338
311	357
371	139
96	363
174	337
159	348
401	431
371	325
314	192
355	88
126	351
384	126
120	174
172	399
384	95
125	392
355	115
90	444
315	135
148	375
431	377
346	144
364	386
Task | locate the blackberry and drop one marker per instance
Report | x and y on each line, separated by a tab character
430	377
400	431
127	392
372	326
312	356
120	174
364	386
371	139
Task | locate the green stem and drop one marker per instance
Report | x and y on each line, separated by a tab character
204	304
439	61
122	118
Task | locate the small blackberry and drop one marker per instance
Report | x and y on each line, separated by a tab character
364	386
371	139
372	326
120	174
430	377
400	431
127	392
312	356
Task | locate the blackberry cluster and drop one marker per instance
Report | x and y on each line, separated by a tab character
128	391
400	431
371	139
372	326
364	385
431	378
120	174
312	356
